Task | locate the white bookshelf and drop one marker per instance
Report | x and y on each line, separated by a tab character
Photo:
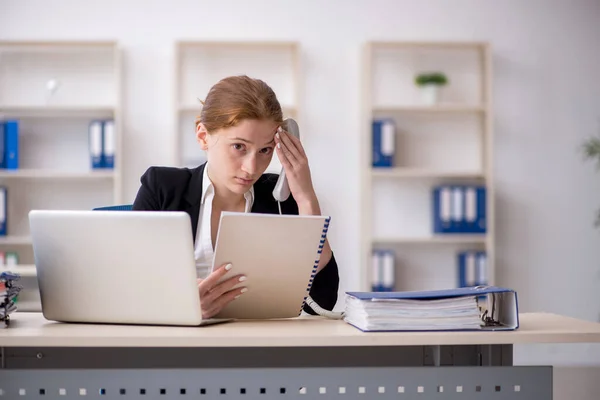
201	64
449	142
54	159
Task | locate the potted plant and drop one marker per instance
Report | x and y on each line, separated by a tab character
591	151
430	84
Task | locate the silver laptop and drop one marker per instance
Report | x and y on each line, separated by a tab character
122	267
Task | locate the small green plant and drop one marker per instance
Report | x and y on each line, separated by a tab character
431	78
591	151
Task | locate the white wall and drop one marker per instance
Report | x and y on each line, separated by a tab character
547	100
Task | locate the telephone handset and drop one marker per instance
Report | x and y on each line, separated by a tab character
282	189
281	193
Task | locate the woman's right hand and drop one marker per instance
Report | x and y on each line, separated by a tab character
214	296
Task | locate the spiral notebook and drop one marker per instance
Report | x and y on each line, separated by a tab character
279	254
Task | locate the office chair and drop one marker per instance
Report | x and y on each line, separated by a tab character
121	207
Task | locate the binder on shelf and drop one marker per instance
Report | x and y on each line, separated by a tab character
383	267
459	209
11	144
2	145
376	271
108	144
479	224
383	142
3	210
95	144
472	268
481	308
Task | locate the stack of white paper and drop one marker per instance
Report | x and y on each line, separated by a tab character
466	308
388	314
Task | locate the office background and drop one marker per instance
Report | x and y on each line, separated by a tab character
546	103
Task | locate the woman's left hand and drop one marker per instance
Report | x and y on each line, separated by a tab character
294	161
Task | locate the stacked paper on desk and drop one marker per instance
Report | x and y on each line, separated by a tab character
9	293
471	308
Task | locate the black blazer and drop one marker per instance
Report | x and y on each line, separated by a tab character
180	189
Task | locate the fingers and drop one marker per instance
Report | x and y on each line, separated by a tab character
216	306
221	288
289	148
213	278
285	161
296	142
214	295
283	148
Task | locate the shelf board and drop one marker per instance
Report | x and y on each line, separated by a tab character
441	108
386	44
8	111
384	172
238	43
435	239
55	174
23	269
15	240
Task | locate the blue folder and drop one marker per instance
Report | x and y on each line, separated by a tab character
11	144
501	311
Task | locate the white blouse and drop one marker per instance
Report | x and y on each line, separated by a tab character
203	250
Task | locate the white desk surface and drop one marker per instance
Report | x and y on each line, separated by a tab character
32	330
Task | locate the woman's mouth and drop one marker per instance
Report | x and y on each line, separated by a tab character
243	181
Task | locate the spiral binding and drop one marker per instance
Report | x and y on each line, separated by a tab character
316	264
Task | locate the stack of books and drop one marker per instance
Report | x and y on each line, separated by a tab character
472	308
9	293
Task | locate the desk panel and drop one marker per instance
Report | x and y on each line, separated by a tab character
458	383
252	357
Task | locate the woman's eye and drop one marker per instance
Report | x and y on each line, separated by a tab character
238	146
266	150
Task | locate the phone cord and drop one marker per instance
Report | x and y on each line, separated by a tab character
313	304
321	311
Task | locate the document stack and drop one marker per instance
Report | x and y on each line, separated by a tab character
9	293
473	308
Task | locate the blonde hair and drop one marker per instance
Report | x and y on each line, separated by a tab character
237	98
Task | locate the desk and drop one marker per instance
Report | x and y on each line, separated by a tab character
307	358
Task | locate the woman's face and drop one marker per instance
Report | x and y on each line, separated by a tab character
238	156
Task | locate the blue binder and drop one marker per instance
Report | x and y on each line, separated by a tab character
96	144
446	217
472	268
475	209
11	144
383	142
2	142
384	272
499	310
108	144
459	209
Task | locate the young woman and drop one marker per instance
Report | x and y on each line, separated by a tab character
239	129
